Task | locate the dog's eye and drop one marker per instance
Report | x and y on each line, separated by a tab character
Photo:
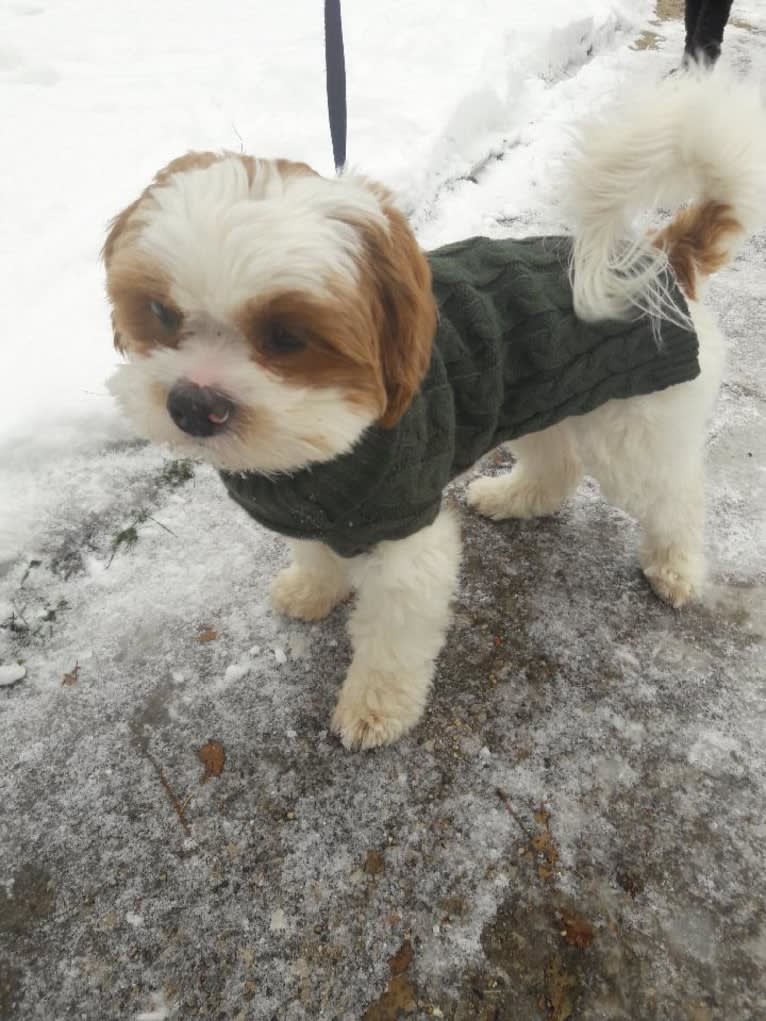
167	316
281	341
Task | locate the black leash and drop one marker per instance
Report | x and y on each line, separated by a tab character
335	64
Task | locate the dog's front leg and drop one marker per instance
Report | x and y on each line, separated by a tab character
397	629
314	583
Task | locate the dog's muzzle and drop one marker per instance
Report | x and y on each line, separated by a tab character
198	410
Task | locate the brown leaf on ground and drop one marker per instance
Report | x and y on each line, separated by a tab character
544	845
541	843
575	929
542	815
402	959
455	907
206	634
400	994
72	677
560	991
399	998
213	757
374	863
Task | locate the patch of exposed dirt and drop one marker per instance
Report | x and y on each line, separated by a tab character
10	991
28	900
666	10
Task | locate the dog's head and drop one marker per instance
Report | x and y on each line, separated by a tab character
268	315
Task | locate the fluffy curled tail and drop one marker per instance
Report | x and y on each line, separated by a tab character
697	137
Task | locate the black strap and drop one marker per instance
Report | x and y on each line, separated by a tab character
335	63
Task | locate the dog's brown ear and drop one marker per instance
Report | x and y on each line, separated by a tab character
291	168
116	229
401	282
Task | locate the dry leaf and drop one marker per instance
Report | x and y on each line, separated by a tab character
72	677
544	845
374	863
206	634
399	998
454	906
213	757
402	959
560	991
577	931
400	992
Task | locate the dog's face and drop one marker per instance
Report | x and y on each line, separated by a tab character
268	315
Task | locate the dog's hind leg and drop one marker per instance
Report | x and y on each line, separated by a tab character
546	473
647	455
673	534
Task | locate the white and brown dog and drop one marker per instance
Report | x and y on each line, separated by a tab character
272	319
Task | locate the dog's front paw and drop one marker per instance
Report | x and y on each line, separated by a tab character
306	595
376	708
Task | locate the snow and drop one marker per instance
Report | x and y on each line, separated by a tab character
11	674
464	109
280	655
278	921
236	671
159	1012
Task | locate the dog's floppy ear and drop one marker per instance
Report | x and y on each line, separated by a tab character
406	320
116	229
121	223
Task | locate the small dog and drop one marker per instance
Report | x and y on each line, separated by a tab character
287	329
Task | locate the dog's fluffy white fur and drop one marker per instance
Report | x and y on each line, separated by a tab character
216	237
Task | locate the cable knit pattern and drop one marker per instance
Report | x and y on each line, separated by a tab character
510	357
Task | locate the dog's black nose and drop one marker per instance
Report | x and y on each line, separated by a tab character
198	410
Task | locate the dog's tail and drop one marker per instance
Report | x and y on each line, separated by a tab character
697	137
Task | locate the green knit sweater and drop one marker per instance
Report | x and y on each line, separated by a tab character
509	358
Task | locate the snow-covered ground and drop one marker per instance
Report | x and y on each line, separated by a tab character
134	596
